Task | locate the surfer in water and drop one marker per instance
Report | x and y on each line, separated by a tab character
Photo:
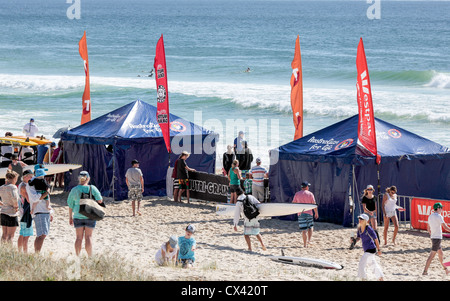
248	70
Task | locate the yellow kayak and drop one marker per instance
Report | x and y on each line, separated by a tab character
17	141
38	140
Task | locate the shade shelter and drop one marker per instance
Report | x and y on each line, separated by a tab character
105	147
339	168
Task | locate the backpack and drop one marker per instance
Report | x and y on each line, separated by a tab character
250	209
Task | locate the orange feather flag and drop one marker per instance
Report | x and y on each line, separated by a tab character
297	91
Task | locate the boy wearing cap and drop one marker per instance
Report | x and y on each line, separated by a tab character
434	227
135	182
306	219
41	186
187	246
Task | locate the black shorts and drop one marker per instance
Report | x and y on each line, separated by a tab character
9	221
234	188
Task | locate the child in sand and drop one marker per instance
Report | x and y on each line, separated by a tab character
187	245
167	254
41	186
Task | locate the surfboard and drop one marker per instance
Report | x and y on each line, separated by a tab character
16	141
267	209
38	140
310	262
52	168
446	235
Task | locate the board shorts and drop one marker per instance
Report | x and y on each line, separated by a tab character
24	231
175	184
183	184
234	188
305	221
9	221
251	227
135	193
84	222
435	244
42	223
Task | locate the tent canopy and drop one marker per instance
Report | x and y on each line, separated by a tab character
134	121
132	132
336	164
339	143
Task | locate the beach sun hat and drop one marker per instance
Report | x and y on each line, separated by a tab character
40	166
364	217
173	241
190	228
40	172
84	174
437	206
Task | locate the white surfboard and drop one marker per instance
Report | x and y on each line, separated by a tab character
267	209
307	262
52	168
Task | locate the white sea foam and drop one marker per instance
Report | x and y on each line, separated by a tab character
407	103
440	80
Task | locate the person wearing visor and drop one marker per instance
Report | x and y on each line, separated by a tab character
84	227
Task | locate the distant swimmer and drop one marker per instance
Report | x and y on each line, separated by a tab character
248	70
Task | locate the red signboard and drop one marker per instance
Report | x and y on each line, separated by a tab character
422	208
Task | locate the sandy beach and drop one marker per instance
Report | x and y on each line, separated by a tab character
222	254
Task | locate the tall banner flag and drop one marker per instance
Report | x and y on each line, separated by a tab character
366	121
162	109
86	99
297	91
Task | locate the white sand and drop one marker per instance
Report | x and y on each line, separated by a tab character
221	252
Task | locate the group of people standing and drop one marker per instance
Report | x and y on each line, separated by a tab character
21	204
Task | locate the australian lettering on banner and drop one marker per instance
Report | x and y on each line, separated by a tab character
209	187
421	210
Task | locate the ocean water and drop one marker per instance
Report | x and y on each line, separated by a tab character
209	45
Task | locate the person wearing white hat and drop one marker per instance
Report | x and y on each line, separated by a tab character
371	246
167	253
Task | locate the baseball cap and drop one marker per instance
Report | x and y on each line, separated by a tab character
364	217
437	206
305	183
190	228
173	241
27	172
369	187
258	160
134	162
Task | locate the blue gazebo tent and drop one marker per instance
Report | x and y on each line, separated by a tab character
339	168
105	147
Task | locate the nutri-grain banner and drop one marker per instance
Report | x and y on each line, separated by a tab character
421	210
209	187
